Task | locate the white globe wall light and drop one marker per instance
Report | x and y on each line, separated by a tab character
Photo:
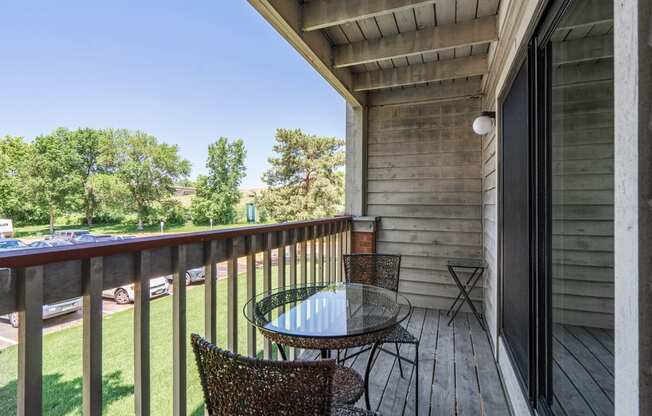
484	123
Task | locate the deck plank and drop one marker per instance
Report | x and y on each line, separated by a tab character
394	397
453	361
442	400
467	396
597	349
494	402
427	347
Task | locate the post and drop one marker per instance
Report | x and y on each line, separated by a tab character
356	160
179	339
232	298
633	216
141	333
210	291
251	292
29	282
267	284
92	278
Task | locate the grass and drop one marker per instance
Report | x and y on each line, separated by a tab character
33	231
62	358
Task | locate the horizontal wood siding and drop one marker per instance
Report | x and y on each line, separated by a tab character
425	182
490	226
583	200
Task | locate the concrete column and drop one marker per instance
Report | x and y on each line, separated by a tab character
356	160
633	203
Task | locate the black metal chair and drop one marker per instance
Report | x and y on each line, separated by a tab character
381	270
237	385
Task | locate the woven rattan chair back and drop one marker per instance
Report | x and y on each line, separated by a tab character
380	270
237	385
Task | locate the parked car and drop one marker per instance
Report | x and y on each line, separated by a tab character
94	238
11	244
50	243
68	235
192	276
50	310
122	295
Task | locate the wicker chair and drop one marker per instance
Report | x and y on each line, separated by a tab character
382	270
237	385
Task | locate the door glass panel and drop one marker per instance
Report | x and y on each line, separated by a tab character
582	162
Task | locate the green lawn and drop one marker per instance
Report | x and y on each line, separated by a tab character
62	358
43	230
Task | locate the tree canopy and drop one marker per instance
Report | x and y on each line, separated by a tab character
149	170
306	179
218	193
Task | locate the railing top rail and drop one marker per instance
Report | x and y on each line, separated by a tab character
41	256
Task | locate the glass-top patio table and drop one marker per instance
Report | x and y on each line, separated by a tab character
328	316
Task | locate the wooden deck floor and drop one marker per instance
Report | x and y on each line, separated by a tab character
583	371
457	372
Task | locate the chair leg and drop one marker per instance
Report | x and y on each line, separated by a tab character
398	357
282	352
416	380
366	375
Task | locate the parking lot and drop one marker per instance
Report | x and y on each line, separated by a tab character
9	335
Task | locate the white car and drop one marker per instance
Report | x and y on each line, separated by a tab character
122	295
51	310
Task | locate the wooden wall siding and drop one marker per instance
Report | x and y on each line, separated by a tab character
425	182
490	226
583	198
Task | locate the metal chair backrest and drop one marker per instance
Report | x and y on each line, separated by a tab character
380	270
238	385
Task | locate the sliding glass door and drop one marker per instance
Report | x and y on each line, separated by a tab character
579	54
557	212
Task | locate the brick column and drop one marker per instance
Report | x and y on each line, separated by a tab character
363	234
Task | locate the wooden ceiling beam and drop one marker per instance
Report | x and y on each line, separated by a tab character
436	38
285	17
320	14
418	74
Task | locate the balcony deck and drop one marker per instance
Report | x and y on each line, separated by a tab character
457	372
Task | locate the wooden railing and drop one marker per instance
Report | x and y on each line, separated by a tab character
42	276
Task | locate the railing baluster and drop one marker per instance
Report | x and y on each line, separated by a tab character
210	292
333	231
92	275
179	331
329	253
251	292
322	257
267	284
313	255
141	334
232	298
340	252
293	260
30	341
293	275
303	259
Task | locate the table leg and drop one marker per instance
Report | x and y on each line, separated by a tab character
466	297
281	351
366	375
459	295
325	354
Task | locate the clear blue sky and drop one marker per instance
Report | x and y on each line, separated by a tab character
186	72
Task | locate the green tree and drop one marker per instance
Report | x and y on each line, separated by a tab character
97	154
52	174
305	180
149	170
218	192
14	152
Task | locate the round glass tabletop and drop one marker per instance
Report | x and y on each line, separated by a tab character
327	311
